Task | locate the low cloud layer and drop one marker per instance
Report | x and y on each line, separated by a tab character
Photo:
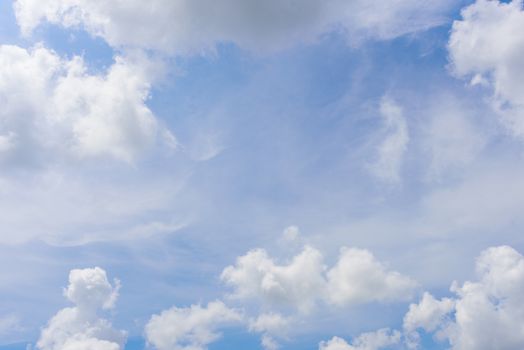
483	314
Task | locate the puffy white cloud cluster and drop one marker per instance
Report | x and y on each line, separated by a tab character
299	283
486	314
490	312
484	46
191	328
80	327
188	26
483	314
356	278
429	314
366	341
58	105
294	287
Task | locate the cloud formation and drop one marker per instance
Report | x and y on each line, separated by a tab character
67	132
56	105
489	313
366	341
484	48
390	151
80	327
483	314
184	26
191	328
270	325
356	278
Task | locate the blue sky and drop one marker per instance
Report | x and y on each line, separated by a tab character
261	175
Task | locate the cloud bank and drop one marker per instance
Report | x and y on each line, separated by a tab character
184	26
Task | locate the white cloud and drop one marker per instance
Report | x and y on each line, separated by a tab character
367	341
487	314
356	278
57	106
429	314
90	289
80	327
192	328
298	283
271	322
62	126
185	26
270	325
359	278
484	48
268	343
390	152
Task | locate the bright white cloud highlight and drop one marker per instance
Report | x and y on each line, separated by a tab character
80	327
486	314
359	278
256	275
191	328
429	314
56	105
187	26
356	278
484	46
367	341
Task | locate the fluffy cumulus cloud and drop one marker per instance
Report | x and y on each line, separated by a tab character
293	288
80	327
485	48
299	283
429	314
191	328
356	278
185	26
57	105
66	133
377	340
485	314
